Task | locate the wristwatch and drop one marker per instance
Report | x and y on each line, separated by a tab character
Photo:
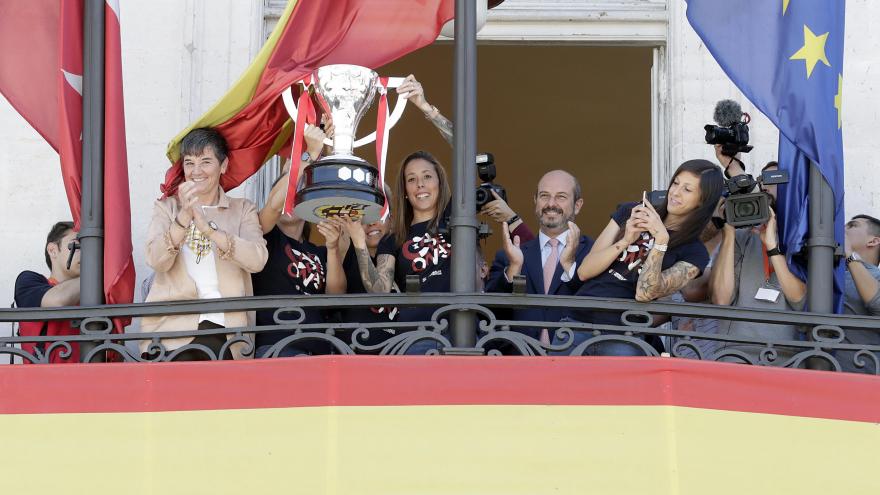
513	219
853	257
306	157
213	225
773	252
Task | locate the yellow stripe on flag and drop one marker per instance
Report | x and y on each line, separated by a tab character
439	450
241	92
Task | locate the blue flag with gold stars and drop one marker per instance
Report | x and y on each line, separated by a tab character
786	56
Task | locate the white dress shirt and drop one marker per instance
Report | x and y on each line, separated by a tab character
544	241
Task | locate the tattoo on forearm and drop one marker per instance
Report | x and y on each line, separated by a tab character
444	126
376	279
654	283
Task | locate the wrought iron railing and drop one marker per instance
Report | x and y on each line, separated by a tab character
823	344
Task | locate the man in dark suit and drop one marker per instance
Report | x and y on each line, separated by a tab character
550	261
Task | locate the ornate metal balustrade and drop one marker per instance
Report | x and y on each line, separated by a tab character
824	344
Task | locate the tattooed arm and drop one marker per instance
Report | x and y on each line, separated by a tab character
654	283
442	124
377	278
416	94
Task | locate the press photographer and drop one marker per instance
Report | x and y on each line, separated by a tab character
732	131
751	271
747	202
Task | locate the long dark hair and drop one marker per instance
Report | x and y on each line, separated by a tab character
403	211
711	184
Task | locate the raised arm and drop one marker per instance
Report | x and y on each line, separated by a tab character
164	235
336	281
654	282
732	165
867	286
722	280
271	212
605	250
793	288
412	89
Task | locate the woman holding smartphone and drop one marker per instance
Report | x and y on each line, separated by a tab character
645	253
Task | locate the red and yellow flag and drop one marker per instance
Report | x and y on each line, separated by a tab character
309	34
439	425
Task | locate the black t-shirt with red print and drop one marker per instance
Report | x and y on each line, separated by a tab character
423	253
293	268
619	280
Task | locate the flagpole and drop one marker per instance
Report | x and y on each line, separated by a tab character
463	221
91	232
820	251
821	245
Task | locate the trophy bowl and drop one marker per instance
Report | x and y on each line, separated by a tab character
341	184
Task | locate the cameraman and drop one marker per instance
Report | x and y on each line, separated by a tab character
751	272
498	209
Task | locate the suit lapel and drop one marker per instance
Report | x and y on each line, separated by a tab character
532	262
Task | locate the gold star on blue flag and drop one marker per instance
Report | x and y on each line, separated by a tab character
789	63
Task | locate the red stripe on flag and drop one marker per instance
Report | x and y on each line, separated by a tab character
383	381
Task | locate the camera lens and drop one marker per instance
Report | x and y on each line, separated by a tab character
482	197
746	209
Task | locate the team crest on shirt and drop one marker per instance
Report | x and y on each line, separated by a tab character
426	252
306	270
632	259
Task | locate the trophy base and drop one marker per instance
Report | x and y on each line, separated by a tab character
339	187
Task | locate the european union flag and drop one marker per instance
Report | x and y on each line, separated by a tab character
786	56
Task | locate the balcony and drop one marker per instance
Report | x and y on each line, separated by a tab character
823	345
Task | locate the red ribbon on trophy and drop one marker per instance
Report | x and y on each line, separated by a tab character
305	115
382	141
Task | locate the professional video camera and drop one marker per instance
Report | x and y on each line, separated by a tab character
732	131
486	171
744	208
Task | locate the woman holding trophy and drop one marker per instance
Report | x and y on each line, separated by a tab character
295	265
417	244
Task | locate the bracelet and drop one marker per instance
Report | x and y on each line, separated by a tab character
433	113
178	223
661	247
515	218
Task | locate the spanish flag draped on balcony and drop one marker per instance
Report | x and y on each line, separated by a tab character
41	74
309	34
786	56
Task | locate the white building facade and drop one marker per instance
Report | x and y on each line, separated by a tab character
180	56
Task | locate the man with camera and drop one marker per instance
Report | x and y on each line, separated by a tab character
549	262
33	290
750	271
862	286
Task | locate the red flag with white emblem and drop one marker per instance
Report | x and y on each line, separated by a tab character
41	67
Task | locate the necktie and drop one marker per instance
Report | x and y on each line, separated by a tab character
549	270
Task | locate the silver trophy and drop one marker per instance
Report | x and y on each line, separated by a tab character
341	184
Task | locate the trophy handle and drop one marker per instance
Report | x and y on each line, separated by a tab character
399	106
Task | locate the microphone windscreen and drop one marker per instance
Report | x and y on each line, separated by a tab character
727	113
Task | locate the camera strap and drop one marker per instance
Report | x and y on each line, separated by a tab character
768	268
